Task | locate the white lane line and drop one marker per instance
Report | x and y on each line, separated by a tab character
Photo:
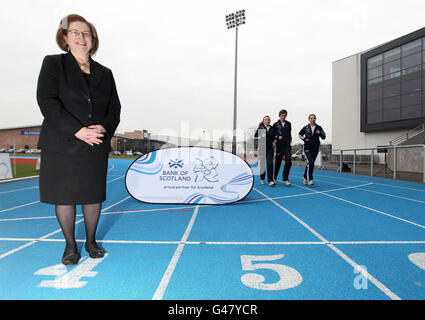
103	213
115	179
159	293
379	183
21	189
27	245
304	194
20	206
377	192
365	207
273	243
187	207
34	202
148	210
52	233
29	218
371	278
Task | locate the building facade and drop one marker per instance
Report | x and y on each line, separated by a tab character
19	138
379	94
27	138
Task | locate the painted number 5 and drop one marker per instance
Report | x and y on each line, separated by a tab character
288	277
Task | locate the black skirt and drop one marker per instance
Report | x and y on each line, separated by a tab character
73	180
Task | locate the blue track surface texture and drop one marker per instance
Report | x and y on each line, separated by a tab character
346	237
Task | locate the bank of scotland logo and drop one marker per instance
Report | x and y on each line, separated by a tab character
176	163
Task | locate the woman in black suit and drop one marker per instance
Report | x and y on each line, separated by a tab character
264	137
79	102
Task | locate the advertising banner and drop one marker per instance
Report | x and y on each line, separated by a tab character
5	168
189	175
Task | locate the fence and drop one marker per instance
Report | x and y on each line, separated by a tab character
404	162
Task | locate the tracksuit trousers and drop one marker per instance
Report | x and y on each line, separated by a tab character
311	155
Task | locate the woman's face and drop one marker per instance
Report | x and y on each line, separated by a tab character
266	121
312	119
79	38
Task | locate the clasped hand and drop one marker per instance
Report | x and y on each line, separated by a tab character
91	134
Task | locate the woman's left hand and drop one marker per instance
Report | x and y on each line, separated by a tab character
98	127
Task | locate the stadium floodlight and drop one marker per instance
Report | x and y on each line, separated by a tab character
234	20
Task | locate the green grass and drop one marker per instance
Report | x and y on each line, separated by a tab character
24	170
28	170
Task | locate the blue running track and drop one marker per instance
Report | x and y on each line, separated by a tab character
346	237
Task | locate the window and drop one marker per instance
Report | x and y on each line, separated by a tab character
411	47
410	61
374	95
391	67
375	72
375	106
391	115
411	112
392	55
391	91
393	84
374	117
411	86
391	103
375	61
411	99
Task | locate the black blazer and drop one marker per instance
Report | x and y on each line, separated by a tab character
68	104
284	132
269	137
313	137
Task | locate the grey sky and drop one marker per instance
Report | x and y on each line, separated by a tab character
173	61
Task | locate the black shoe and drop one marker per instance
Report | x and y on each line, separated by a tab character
70	258
95	251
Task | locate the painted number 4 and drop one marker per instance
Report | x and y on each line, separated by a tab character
288	277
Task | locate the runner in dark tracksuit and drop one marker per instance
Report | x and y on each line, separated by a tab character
264	137
311	135
282	130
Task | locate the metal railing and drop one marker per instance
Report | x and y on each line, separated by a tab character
372	156
409	134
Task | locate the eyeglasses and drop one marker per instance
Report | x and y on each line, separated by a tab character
76	33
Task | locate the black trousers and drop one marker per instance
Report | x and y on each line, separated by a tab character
311	155
266	162
285	151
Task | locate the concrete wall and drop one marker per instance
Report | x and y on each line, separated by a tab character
408	160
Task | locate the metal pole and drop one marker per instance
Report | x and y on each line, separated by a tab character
423	170
340	161
354	162
395	163
371	163
14	156
235	94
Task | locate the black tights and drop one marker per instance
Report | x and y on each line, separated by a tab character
66	218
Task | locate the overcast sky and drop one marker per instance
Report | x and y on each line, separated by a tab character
173	61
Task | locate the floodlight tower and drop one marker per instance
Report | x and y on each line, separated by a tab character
234	20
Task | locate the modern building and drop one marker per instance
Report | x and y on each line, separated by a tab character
379	94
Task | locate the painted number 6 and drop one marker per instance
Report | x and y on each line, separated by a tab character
288	277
